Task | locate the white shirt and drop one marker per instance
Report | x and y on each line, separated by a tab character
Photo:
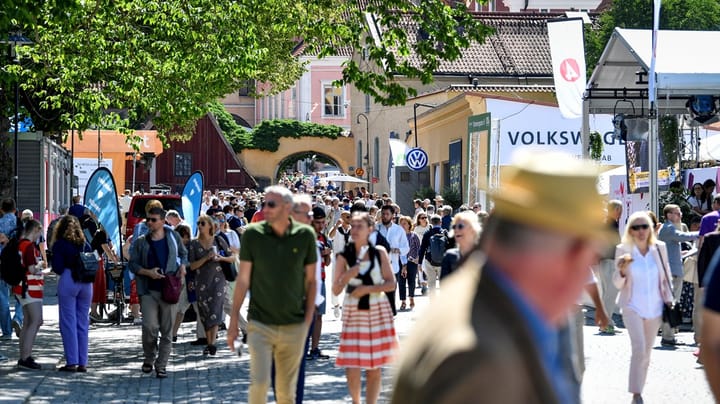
396	237
645	298
233	239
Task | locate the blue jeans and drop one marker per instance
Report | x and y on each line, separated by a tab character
74	305
5	319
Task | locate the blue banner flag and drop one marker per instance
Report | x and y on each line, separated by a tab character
101	199
192	200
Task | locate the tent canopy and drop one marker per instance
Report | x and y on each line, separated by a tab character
684	66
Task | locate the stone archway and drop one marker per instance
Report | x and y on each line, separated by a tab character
309	155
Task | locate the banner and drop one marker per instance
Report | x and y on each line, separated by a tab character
567	51
638	171
192	200
101	199
398	150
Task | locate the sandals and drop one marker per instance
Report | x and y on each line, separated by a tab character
412	303
146	368
403	307
161	373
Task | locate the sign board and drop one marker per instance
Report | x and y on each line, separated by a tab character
524	125
83	168
416	159
359	172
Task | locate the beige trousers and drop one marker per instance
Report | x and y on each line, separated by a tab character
643	332
283	343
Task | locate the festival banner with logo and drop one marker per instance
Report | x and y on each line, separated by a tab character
101	199
192	200
567	51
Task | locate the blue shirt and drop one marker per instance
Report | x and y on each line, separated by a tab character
157	257
546	337
8	224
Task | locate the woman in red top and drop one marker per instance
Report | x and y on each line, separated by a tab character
30	293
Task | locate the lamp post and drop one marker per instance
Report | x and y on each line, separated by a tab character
15	39
415	107
367	142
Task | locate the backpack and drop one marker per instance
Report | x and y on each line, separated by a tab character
438	245
11	268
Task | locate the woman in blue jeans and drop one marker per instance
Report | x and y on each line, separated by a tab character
74	297
406	277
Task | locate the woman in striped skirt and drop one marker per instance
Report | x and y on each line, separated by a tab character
368	339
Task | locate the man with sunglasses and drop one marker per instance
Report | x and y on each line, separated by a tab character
277	262
155	255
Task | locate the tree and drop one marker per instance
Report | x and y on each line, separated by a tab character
694	15
167	59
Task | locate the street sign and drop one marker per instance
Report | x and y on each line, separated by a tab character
416	159
359	171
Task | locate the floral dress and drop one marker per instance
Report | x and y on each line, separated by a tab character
210	284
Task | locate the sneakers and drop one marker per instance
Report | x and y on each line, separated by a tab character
316	354
670	343
336	311
6	337
17	327
199	341
94	318
29	364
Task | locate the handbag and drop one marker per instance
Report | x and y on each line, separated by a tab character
171	288
229	269
671	313
87	267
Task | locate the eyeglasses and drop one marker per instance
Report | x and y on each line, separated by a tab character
423	217
637	227
271	204
153	219
201	223
458	226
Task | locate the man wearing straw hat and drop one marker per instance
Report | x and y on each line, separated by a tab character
500	313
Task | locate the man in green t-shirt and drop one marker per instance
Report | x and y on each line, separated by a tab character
277	263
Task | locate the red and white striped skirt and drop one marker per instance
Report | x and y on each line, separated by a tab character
368	338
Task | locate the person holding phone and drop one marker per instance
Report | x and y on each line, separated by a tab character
642	275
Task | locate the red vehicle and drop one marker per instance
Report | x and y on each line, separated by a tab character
136	211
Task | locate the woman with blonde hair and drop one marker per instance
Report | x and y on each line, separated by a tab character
465	230
641	274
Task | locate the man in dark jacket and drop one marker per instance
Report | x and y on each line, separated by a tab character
432	269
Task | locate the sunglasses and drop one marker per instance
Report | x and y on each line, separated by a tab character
271	204
201	223
423	217
152	219
637	227
458	226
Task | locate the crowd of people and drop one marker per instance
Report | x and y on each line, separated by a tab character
295	249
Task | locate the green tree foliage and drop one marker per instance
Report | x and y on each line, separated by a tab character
168	59
266	136
694	15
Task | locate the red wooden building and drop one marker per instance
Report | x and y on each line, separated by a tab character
207	151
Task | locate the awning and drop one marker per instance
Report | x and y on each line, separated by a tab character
684	67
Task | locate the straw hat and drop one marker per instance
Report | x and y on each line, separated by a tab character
553	191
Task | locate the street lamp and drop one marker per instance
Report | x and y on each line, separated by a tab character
415	107
367	142
15	39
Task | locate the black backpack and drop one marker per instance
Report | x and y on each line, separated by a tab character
438	246
11	268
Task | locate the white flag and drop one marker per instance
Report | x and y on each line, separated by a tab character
398	150
567	51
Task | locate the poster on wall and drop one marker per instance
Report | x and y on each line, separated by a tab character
525	125
638	174
631	202
83	169
455	167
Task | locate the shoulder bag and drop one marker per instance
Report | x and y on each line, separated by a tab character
86	269
671	312
171	283
229	269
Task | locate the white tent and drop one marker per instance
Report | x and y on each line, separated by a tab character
344	178
684	67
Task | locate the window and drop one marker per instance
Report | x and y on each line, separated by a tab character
183	164
333	101
367	102
246	88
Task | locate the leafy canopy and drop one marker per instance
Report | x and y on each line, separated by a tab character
168	59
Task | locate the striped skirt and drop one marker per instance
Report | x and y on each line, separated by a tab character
368	338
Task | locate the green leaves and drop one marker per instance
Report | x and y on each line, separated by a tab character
168	59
